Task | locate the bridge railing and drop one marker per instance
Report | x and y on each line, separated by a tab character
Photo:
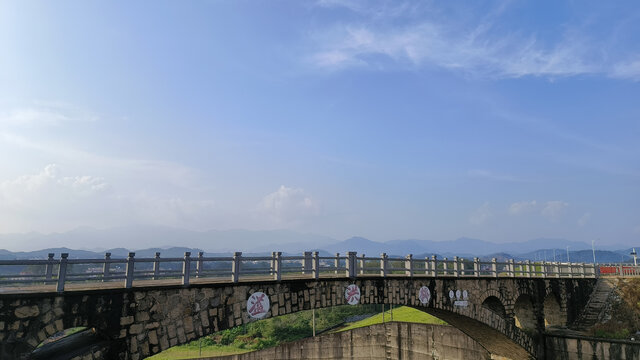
60	272
618	270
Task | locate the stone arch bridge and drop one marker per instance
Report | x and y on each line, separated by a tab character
514	300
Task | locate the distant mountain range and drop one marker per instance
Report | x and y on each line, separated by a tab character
171	242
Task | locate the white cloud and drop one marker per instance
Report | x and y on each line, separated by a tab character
584	219
471	45
44	114
553	210
48	201
481	215
627	70
522	207
288	205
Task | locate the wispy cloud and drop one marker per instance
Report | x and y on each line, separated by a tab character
584	219
288	205
469	46
553	210
490	175
44	113
481	215
522	207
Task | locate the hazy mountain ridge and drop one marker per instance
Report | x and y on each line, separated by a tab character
174	242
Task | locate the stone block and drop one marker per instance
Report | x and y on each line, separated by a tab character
27	311
127	320
142	316
153	337
135	329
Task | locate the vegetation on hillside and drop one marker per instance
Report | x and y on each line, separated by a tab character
266	333
625	312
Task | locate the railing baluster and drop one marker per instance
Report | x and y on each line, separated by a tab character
235	267
128	281
278	266
494	267
186	268
48	273
476	267
362	264
199	264
445	272
455	266
156	266
316	265
408	265
106	267
62	272
336	262
434	265
383	264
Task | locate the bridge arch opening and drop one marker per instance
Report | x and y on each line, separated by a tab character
525	317
494	304
553	315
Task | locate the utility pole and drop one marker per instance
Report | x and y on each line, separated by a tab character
554	255
593	248
635	257
567	253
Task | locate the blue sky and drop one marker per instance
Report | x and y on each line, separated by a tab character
499	120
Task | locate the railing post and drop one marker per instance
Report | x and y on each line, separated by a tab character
277	271
128	280
362	264
461	269
557	269
445	271
306	262
455	266
408	265
434	265
336	262
62	272
106	267
476	267
48	272
570	269
156	266
383	264
235	266
272	267
544	269
582	273
512	268
494	267
528	266
186	268
426	266
351	264
199	264
316	265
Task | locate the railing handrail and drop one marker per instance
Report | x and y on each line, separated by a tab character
309	264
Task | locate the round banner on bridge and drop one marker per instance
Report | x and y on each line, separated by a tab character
352	294
424	295
258	305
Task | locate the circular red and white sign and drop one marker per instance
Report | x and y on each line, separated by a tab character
258	305
352	294
424	295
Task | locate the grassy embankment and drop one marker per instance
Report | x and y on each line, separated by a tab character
271	332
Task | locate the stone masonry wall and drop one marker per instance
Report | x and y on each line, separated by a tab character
391	341
143	321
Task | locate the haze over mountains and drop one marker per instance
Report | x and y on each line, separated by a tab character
90	242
